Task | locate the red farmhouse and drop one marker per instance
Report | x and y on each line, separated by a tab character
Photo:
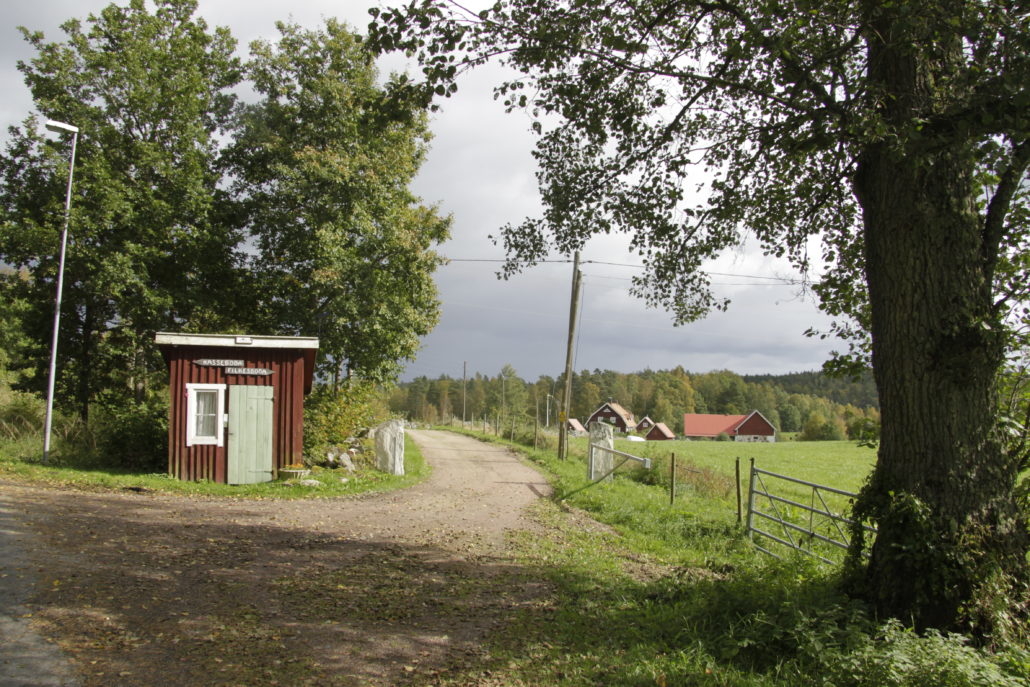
237	404
613	414
751	427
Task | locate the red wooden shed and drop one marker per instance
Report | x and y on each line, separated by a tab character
660	432
237	404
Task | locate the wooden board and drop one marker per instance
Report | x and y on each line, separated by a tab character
250	434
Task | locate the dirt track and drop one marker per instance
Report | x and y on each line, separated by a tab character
144	589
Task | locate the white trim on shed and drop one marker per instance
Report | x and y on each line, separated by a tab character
235	340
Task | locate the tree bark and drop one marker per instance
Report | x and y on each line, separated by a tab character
952	540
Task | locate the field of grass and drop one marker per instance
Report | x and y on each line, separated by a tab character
839	464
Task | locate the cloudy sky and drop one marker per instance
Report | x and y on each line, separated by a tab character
481	171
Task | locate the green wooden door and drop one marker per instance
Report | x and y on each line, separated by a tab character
250	434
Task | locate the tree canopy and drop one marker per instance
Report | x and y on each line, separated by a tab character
323	162
896	133
150	93
194	212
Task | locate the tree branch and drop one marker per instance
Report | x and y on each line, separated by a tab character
997	210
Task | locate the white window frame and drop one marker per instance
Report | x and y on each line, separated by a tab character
191	415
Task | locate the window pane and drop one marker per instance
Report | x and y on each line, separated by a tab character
207	413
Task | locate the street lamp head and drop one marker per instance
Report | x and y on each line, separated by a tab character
61	127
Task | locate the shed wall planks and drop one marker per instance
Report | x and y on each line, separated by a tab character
288	380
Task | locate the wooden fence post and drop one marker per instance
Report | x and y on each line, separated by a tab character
751	501
672	480
739	515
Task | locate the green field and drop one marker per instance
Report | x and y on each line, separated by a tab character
706	483
839	464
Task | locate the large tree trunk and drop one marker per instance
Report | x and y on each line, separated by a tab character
952	540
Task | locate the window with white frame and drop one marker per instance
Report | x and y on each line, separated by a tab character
205	415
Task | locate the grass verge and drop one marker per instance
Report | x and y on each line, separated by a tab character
14	464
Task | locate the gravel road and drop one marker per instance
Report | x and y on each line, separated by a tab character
123	588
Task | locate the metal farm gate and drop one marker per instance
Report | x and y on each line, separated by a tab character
814	529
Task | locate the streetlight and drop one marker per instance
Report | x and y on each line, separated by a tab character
550	398
61	128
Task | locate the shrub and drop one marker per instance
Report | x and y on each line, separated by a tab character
899	657
332	418
21	414
133	436
818	428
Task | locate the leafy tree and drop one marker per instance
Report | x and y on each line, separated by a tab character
324	161
819	428
897	131
586	398
790	418
12	335
150	93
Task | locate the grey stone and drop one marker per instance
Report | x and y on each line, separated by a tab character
309	483
390	447
600	462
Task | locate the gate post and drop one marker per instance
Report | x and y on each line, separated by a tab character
601	461
751	501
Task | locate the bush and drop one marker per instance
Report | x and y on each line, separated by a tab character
21	414
898	657
818	428
133	436
332	418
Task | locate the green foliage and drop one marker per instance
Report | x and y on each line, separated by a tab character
663	395
133	436
21	414
818	428
839	389
898	657
693	603
150	92
175	186
13	340
333	417
895	133
691	478
322	164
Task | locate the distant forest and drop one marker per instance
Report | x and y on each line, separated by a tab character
818	406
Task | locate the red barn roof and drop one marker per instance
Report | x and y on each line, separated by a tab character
706	425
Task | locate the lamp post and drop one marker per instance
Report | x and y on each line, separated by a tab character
556	404
61	128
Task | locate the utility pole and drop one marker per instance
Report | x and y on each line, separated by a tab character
464	377
563	418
